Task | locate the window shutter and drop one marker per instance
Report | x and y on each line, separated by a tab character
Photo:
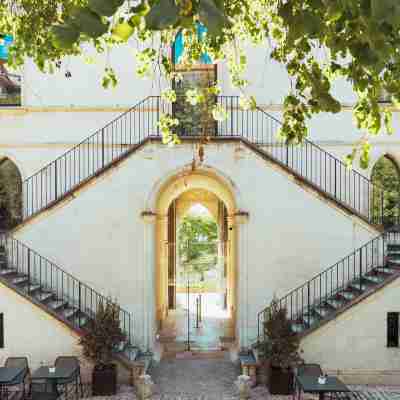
1	330
393	329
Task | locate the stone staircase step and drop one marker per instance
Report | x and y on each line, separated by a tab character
298	327
83	320
322	311
31	288
363	287
69	312
7	271
348	295
336	303
310	319
19	280
57	304
44	296
386	270
394	262
374	278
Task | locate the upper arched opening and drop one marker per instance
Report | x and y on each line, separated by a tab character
386	200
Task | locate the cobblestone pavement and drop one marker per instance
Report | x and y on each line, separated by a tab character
207	378
213	379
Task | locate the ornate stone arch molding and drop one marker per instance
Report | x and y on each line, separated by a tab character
180	180
395	158
156	204
6	155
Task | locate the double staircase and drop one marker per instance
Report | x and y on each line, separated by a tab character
74	303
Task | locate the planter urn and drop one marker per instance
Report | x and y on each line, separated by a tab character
104	380
280	380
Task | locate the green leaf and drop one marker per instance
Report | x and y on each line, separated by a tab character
163	14
212	17
384	9
64	36
89	22
105	7
123	31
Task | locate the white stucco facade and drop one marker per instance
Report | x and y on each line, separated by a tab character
101	237
26	324
106	233
354	345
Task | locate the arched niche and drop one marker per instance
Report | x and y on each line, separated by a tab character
385	176
10	194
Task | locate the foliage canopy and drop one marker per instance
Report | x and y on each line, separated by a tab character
317	40
197	244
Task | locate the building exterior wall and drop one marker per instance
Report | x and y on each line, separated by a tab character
31	332
353	345
98	235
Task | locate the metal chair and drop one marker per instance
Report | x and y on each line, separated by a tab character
18	362
42	390
305	369
309	369
73	362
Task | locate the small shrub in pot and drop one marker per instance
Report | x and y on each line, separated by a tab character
103	336
281	348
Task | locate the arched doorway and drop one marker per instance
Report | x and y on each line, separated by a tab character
386	200
10	195
196	276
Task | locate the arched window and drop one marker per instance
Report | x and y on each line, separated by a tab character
10	195
386	200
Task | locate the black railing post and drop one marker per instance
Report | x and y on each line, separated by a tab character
158	115
102	148
55	180
360	269
382	202
308	302
79	303
287	154
336	179
29	270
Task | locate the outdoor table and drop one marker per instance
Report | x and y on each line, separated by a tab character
309	383
7	376
61	373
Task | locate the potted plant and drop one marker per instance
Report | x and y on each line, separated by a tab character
103	336
281	348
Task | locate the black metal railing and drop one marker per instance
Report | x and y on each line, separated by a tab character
301	302
314	165
63	286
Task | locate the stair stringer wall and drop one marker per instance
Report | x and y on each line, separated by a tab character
354	344
30	331
99	236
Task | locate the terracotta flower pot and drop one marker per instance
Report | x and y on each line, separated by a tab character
104	380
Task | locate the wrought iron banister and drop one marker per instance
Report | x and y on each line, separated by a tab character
52	279
314	165
300	302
